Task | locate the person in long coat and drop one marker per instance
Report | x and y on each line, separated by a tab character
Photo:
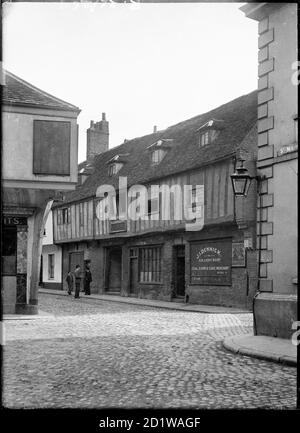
77	274
87	280
70	282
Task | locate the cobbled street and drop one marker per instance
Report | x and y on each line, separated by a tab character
100	354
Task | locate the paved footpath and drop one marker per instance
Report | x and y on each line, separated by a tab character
86	354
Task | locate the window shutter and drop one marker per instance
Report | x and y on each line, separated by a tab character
51	147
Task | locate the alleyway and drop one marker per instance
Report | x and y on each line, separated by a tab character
87	354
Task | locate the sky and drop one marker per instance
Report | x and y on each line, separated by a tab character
141	64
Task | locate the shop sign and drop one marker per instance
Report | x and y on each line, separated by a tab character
13	220
211	263
287	149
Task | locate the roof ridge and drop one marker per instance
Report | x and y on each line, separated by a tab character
214	109
26	83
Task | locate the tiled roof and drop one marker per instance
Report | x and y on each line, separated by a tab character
238	132
18	92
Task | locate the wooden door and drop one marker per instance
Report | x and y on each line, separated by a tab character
76	258
179	276
115	270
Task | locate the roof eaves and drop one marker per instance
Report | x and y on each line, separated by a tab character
67	105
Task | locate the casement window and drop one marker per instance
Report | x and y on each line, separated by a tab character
64	216
157	156
150	265
51	262
81	214
51	147
112	169
207	137
153	206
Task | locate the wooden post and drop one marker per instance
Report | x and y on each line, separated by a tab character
35	240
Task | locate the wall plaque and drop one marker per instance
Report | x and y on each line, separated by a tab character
211	262
238	254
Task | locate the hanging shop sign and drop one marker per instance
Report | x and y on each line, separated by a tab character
13	220
211	262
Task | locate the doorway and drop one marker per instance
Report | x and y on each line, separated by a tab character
76	258
133	272
179	271
115	270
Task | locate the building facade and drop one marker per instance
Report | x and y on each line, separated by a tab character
277	161
182	236
51	262
37	127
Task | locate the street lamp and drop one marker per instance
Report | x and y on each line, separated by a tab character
241	180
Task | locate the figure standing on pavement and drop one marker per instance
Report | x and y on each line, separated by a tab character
87	280
70	282
77	274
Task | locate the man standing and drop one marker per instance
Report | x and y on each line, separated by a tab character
70	281
87	280
77	274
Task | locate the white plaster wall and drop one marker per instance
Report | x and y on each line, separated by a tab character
17	138
48	238
52	249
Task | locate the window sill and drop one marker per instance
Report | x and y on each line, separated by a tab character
150	283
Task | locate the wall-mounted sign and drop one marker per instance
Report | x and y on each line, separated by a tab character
248	243
288	149
211	263
13	220
238	254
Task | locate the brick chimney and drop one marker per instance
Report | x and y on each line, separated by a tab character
154	128
97	138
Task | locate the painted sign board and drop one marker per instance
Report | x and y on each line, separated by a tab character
211	262
13	220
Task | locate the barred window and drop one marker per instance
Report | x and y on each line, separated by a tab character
50	266
150	264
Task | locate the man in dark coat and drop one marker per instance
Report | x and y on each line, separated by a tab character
87	280
77	274
70	281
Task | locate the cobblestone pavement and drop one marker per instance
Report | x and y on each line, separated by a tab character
97	354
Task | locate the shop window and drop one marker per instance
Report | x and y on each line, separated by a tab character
51	266
150	265
9	251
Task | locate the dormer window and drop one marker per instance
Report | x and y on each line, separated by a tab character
112	169
209	131
116	163
159	149
157	156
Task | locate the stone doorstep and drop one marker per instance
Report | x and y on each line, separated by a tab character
263	347
196	308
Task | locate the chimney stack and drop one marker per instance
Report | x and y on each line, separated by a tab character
97	138
155	129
